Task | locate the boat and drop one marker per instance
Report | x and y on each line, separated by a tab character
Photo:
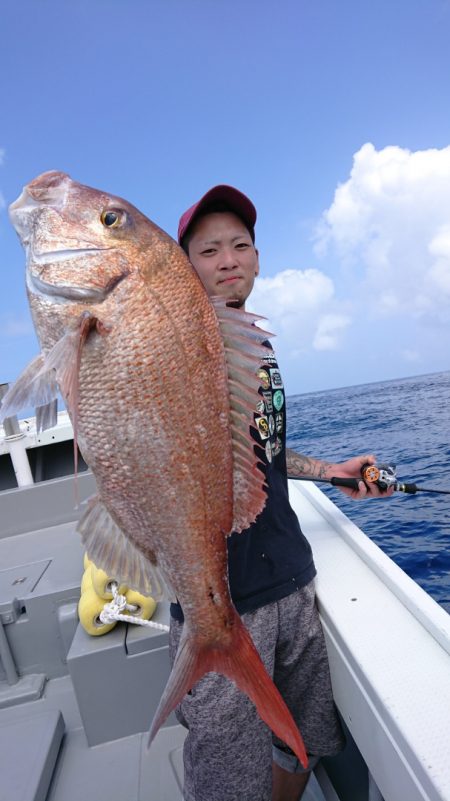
75	709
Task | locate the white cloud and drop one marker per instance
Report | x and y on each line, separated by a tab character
381	304
389	226
329	330
301	309
439	249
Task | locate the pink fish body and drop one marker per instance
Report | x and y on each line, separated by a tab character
160	383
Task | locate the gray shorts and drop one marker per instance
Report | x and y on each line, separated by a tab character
228	751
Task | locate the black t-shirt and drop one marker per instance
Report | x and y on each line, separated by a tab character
272	558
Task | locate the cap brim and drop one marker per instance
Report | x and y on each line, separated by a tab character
231	197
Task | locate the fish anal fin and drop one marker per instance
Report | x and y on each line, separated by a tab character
110	549
241	663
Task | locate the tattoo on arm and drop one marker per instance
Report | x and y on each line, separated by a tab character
299	465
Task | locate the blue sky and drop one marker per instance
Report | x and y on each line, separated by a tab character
334	117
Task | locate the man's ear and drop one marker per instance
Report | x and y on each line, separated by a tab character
257	262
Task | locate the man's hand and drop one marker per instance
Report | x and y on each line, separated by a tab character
300	466
352	469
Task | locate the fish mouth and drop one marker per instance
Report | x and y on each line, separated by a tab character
64	255
68	292
39	193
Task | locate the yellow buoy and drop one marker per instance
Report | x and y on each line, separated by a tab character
145	605
102	583
86	581
89	608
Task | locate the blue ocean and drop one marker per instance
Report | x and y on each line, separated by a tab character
405	422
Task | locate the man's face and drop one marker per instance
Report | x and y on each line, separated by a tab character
224	256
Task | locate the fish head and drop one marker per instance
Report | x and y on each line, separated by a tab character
80	242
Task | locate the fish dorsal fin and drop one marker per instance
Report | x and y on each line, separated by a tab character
109	548
245	351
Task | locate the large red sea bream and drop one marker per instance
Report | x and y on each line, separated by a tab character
160	383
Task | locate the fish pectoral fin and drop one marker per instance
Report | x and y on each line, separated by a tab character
110	549
47	415
39	384
36	387
64	357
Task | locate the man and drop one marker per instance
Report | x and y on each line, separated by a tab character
228	752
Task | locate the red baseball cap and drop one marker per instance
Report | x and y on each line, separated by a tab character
231	197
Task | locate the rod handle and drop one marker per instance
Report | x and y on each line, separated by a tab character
350	483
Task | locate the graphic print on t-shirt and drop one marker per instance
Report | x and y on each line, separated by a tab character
269	420
264	378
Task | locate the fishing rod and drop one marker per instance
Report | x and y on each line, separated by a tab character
383	475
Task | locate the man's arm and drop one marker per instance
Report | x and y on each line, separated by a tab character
299	466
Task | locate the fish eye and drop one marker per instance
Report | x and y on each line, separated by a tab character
112	218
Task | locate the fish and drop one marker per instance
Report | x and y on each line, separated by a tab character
160	382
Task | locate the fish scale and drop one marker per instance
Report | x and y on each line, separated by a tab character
142	358
183	457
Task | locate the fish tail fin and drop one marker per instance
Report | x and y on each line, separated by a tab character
241	663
